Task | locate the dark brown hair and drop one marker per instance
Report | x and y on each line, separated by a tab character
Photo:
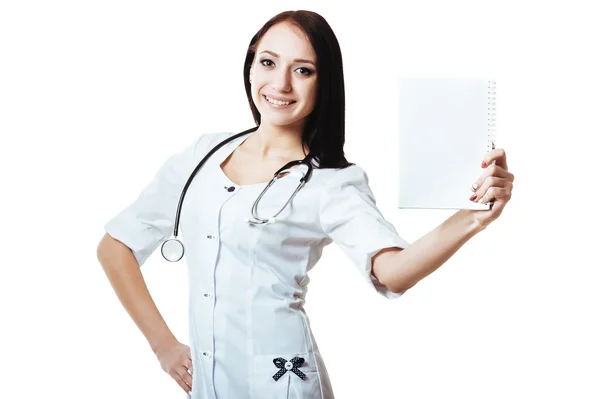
324	130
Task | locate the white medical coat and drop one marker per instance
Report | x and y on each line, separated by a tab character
247	283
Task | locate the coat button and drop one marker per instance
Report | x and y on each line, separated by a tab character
230	189
208	295
210	236
206	354
289	365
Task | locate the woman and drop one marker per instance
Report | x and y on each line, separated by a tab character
249	334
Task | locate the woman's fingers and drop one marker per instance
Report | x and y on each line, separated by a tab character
176	361
497	155
189	366
187	377
493	188
493	171
183	379
186	370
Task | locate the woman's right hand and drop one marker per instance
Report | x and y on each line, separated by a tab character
175	359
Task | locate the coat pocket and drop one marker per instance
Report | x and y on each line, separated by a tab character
286	376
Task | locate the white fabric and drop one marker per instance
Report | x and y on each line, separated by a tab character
248	283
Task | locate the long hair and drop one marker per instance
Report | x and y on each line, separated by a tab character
324	130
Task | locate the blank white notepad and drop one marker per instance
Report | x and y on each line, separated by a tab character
446	127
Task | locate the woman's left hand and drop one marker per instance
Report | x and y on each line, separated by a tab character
496	183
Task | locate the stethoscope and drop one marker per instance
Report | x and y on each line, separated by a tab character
173	249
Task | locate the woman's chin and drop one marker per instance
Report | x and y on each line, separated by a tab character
277	120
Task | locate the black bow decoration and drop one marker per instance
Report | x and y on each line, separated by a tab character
292	366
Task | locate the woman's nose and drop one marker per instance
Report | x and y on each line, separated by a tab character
282	82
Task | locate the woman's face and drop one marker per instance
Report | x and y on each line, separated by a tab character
284	76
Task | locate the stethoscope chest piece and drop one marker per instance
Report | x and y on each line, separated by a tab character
172	250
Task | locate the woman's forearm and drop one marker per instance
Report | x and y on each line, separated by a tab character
405	268
125	276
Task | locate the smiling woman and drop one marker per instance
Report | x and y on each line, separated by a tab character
294	81
250	336
284	88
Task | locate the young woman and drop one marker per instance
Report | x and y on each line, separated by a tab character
249	334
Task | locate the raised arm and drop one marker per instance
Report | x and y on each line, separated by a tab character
399	270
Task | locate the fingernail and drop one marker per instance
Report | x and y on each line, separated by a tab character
473	197
474	186
480	201
483	164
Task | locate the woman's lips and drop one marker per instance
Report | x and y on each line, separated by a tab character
276	103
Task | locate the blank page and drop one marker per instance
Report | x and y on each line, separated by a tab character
444	136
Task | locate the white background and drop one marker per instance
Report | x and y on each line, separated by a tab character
94	96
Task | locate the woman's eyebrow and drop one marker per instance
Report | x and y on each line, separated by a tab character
296	60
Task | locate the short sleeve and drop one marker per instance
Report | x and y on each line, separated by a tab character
350	217
149	220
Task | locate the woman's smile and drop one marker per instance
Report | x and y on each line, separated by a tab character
278	103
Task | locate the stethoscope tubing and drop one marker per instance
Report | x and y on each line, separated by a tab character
255	219
202	162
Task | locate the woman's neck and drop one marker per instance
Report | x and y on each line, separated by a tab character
276	142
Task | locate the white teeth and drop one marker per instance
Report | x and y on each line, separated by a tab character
277	102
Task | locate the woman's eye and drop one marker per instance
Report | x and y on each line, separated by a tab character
305	71
266	62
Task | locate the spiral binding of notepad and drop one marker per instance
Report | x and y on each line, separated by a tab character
491	114
491	120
